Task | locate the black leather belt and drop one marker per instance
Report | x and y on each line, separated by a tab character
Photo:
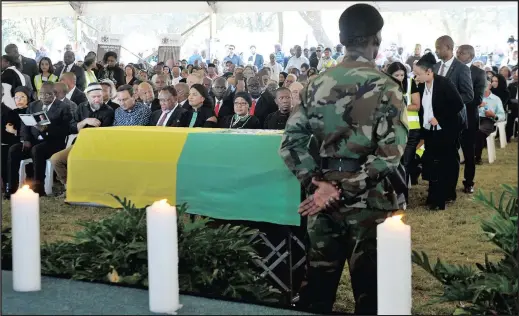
338	164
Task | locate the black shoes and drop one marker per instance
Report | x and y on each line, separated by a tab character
469	189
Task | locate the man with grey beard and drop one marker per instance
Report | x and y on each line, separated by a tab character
93	113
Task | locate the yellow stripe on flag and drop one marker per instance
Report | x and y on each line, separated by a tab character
139	163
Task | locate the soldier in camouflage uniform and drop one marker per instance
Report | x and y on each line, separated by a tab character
357	116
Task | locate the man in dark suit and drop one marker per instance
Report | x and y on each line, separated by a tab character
182	95
61	90
465	54
147	96
74	94
29	66
40	142
69	58
255	59
223	98
170	114
263	102
459	75
512	106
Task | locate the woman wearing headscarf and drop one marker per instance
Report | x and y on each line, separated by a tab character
241	119
202	110
440	118
500	88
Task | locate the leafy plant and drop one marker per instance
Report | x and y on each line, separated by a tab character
488	288
217	261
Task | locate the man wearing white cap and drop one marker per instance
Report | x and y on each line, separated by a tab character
93	113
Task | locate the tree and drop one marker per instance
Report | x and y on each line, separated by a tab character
253	22
314	20
39	28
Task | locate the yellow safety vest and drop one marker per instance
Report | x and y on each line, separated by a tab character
38	81
90	77
412	116
420	151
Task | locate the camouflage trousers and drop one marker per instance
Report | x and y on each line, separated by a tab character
332	238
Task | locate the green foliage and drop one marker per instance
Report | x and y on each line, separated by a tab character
215	261
489	288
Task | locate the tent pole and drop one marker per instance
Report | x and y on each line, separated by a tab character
212	37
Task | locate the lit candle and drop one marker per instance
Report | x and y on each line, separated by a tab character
394	288
162	258
25	221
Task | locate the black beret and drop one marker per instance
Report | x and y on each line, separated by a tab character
360	20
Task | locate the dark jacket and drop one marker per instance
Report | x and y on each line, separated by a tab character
115	74
30	67
112	104
180	118
78	96
58	129
204	113
314	61
276	120
105	115
479	84
227	106
447	105
13	117
251	123
512	107
266	105
80	76
459	75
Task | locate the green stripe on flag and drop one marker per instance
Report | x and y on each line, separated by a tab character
237	177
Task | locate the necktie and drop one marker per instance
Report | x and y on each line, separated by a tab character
162	118
442	68
217	108
253	107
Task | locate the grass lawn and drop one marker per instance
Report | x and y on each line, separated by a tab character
454	234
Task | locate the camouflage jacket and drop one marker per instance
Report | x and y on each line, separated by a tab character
354	112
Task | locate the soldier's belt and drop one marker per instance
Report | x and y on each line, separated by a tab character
341	165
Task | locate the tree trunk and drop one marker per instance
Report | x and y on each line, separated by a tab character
281	28
314	20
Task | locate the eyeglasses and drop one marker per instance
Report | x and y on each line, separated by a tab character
318	50
20	97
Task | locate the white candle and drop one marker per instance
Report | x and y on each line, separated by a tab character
162	258
394	269
25	221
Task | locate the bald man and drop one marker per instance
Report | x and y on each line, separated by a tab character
289	80
69	59
466	54
459	75
223	97
61	90
194	78
182	95
147	96
74	94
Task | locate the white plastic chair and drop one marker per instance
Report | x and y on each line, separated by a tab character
501	126
49	169
516	125
491	147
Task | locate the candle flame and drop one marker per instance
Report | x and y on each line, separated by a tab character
26	187
164	201
397	217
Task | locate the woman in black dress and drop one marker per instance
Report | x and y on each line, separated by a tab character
500	89
129	73
202	109
12	78
241	119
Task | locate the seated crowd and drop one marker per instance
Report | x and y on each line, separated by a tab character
254	95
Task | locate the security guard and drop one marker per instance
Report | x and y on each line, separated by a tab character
357	116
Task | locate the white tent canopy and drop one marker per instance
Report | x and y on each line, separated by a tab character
23	9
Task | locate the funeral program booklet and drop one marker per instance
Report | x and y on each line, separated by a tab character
39	118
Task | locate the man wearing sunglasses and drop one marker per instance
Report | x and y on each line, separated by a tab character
39	142
232	57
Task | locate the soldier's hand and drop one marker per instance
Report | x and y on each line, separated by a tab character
325	196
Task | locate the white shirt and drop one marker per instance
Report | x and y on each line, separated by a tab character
176	81
66	69
276	70
428	112
69	94
447	64
182	103
295	62
168	116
